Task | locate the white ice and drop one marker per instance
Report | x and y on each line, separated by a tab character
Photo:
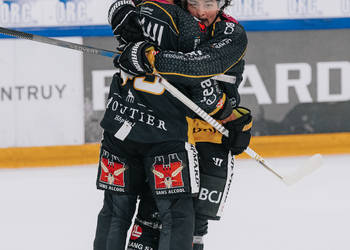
56	208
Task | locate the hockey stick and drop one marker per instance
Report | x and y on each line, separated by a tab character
310	166
60	43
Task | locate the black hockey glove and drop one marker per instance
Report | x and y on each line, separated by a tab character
122	16
137	58
239	131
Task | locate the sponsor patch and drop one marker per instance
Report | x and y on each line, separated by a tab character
112	171
168	176
136	232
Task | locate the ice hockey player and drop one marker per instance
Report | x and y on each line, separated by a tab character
120	159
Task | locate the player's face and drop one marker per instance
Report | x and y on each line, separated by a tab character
205	10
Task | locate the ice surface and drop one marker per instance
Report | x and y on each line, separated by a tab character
56	208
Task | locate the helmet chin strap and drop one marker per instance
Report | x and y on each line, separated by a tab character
210	28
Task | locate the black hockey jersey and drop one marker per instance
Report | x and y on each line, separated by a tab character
139	108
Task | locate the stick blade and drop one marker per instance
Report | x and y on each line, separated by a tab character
311	165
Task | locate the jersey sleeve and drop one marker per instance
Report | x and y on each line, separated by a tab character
221	54
216	56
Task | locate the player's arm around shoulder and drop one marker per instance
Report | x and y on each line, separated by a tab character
225	49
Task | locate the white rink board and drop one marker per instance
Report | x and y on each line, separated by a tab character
34	13
56	208
288	9
41	94
50	13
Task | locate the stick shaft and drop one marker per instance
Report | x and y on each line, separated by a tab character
56	42
194	107
262	161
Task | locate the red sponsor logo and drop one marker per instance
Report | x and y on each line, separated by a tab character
136	232
112	173
168	175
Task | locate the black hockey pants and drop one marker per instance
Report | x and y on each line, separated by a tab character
177	220
114	221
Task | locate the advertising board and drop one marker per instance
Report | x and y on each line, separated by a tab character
41	94
295	82
89	17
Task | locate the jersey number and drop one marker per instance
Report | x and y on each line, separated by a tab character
149	85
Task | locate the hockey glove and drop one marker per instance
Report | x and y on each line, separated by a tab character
122	16
239	131
137	58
